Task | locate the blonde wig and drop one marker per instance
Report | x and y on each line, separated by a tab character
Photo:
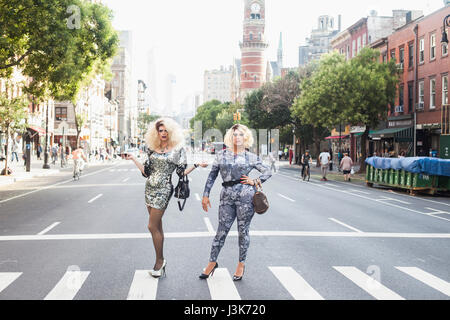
175	132
248	137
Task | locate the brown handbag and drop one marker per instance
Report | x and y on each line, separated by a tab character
260	202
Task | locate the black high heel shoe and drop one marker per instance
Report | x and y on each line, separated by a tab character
206	276
236	278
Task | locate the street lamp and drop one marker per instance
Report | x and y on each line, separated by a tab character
444	32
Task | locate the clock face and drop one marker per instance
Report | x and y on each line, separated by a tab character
256	7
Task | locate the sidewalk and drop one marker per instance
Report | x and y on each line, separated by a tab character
334	175
36	170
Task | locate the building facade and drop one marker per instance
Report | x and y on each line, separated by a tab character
320	40
423	88
217	84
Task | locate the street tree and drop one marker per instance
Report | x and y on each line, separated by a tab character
207	114
143	121
13	112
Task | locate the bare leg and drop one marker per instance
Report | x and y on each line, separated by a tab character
155	228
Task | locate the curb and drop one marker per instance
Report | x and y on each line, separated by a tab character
11	179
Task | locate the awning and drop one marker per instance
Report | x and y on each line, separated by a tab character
38	130
404	134
336	137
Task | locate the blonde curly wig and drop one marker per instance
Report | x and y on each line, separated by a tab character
176	137
248	137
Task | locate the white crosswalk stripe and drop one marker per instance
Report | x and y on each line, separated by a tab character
143	287
6	278
295	284
369	284
221	286
427	278
68	286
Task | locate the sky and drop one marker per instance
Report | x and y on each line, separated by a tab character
189	37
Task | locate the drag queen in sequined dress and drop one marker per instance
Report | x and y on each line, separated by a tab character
166	154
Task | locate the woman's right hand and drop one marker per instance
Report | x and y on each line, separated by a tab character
128	156
206	203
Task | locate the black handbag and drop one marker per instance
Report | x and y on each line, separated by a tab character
182	191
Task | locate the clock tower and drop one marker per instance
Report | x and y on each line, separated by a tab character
253	47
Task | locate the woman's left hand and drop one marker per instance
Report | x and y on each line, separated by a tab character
203	164
247	180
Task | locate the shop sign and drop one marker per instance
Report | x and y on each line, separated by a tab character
400	123
357	129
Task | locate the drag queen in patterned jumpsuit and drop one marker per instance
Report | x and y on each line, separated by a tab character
234	164
166	155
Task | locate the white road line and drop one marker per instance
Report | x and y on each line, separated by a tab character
209	226
377	200
287	198
221	286
371	285
427	278
125	180
359	191
6	278
48	228
294	283
143	287
436	211
391	199
197	196
345	225
68	286
253	233
95	198
51	186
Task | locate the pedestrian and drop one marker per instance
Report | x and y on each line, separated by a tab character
39	151
346	166
291	155
165	140
280	155
402	154
234	164
324	160
286	153
272	161
14	149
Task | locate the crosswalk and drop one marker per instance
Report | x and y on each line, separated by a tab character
222	287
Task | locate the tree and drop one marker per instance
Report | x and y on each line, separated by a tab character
73	41
207	114
225	119
356	92
13	112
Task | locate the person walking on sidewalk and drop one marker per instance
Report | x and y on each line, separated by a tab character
14	149
324	160
272	161
236	199
291	155
346	166
39	151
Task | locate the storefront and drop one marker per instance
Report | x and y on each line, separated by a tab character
391	142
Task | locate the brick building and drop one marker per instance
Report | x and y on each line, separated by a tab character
423	88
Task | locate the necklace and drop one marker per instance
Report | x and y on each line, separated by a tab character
164	149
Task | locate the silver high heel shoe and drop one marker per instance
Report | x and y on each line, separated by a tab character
159	273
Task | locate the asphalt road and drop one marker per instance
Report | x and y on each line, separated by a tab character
88	239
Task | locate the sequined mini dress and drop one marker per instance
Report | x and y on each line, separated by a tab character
158	170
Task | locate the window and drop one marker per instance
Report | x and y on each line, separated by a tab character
421	50
359	44
364	40
354	48
400	95
402	55
445	48
433	47
421	92
444	90
410	55
61	113
251	36
410	96
432	93
348	52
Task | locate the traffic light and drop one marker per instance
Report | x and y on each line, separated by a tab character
235	116
239	116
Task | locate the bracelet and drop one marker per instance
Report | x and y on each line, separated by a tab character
195	165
